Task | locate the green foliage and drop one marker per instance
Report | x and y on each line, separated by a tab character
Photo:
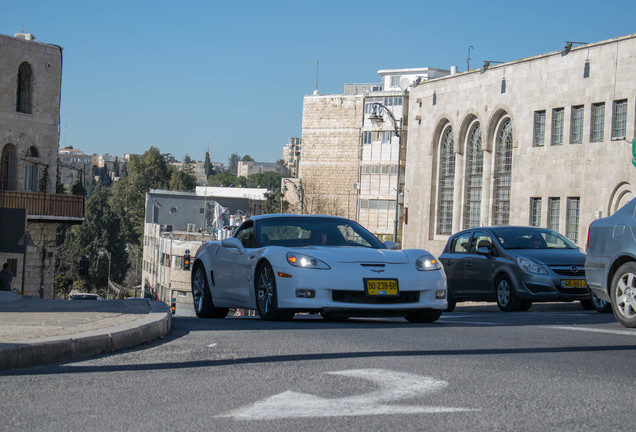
44	180
182	181
247	158
101	231
269	180
232	166
226	179
78	188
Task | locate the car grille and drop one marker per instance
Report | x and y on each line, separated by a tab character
569	270
572	290
360	297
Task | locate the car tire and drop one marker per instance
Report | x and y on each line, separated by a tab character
507	300
267	296
450	299
424	315
600	305
201	296
623	294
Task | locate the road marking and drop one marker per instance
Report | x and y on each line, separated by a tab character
212	345
393	386
593	330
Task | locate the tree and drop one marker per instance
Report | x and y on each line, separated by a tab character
207	165
247	158
182	180
269	180
233	161
145	172
101	231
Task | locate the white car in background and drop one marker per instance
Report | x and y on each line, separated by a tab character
283	264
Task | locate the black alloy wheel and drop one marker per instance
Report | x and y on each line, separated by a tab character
201	296
266	295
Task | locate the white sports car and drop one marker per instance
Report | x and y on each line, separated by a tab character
282	264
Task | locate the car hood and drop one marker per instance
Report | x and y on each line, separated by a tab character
356	255
552	256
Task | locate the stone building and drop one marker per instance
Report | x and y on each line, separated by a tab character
350	165
291	156
543	141
30	211
247	168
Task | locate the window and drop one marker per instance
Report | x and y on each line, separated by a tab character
31	171
535	212
619	119
554	210
576	125
386	137
539	128
395	81
23	93
367	137
502	175
461	243
394	100
9	168
573	218
598	119
474	169
557	126
446	184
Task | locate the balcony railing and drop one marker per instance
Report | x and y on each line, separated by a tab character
45	206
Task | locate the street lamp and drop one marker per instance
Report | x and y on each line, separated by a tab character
377	116
299	191
102	250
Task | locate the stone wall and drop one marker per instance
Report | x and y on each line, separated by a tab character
330	152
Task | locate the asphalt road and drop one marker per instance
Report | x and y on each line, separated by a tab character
552	368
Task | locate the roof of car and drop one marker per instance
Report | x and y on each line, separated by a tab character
289	215
497	227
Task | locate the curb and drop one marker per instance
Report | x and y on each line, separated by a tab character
155	324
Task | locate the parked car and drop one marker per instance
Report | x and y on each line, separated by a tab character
611	262
84	296
514	266
283	264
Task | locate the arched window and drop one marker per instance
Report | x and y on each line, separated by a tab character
446	184
23	102
502	175
9	168
474	170
31	170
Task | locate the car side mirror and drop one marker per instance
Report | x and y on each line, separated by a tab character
391	245
233	243
485	251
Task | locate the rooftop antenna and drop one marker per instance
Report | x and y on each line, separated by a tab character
468	58
316	92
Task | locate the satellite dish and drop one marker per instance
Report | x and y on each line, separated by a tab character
404	83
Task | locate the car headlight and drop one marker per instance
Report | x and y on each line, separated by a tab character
306	261
426	262
530	266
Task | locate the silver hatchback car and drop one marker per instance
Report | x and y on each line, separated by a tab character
514	266
611	262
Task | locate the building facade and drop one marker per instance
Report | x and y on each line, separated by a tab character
291	156
30	211
352	160
543	141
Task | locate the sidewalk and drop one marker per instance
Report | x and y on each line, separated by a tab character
37	331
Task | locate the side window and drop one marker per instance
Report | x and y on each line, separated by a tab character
480	239
246	235
461	243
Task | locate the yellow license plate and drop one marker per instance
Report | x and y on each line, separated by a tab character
381	287
573	283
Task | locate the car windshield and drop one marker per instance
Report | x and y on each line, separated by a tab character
531	238
315	231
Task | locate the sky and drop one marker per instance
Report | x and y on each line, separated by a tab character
230	76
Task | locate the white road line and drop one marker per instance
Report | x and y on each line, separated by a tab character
594	330
212	345
393	386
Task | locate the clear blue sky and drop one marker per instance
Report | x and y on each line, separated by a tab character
231	75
